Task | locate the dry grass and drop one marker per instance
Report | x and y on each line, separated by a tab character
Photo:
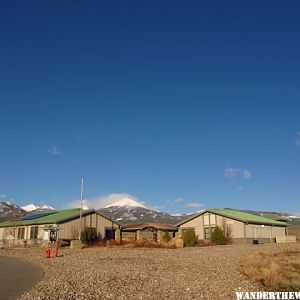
134	244
276	271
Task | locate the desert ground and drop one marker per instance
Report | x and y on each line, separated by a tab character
139	273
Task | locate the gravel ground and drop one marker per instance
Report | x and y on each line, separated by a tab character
127	273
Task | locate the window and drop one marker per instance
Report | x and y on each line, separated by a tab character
53	235
213	219
209	219
206	219
21	233
208	231
34	232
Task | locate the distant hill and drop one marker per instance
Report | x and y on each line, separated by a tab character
135	214
291	218
9	211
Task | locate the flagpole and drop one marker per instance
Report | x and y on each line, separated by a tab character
81	207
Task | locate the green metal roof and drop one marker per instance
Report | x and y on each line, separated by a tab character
275	217
239	216
57	217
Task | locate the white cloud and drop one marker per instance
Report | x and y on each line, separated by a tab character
236	172
179	200
231	172
2	196
240	188
102	201
55	151
194	205
246	174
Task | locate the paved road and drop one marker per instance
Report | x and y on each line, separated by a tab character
17	276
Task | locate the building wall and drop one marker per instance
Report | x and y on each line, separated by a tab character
9	236
211	220
69	230
197	224
237	229
278	231
264	232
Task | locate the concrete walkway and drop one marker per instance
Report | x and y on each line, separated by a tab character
17	276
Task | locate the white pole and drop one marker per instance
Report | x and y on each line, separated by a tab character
81	206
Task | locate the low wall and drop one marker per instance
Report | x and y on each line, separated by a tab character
285	239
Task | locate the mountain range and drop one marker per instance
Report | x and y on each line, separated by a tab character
136	214
9	211
34	208
124	211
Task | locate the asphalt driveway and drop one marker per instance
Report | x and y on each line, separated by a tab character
17	276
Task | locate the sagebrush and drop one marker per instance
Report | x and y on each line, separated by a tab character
189	237
219	237
89	235
167	237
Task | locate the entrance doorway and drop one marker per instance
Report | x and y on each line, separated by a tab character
110	234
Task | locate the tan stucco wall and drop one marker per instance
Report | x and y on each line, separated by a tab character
278	231
267	232
236	227
197	225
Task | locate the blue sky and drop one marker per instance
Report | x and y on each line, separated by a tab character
182	104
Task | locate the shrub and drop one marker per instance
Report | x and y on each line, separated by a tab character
189	237
89	235
167	237
219	237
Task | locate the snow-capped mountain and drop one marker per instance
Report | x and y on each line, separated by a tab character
126	202
135	214
30	207
9	211
129	211
34	208
47	207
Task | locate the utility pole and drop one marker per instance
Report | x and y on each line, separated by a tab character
81	207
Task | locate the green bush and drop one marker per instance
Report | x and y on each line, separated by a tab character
189	237
219	237
89	235
167	237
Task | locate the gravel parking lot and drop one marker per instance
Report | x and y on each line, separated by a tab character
138	273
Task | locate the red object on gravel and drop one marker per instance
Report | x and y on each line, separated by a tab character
48	253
